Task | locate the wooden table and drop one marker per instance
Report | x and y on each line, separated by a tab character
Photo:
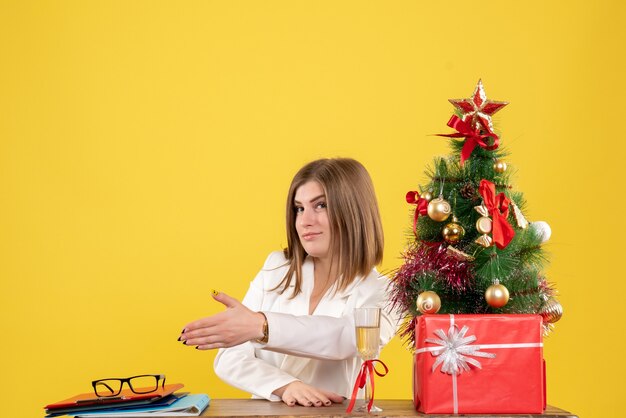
391	408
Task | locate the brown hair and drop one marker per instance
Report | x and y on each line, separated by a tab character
356	240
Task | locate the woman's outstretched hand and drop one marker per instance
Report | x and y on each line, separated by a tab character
236	325
300	393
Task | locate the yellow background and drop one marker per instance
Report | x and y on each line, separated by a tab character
146	148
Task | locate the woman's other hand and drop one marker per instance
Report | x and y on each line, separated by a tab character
300	393
236	325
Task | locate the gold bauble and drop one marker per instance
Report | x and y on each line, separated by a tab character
427	196
499	166
453	232
497	295
439	209
484	225
551	311
428	302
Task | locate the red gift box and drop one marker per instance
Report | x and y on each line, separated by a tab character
479	364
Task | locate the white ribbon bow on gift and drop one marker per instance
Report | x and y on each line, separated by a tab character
454	350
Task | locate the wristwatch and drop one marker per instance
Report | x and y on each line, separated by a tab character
266	332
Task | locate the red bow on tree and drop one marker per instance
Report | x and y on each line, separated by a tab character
414	198
498	206
472	137
361	381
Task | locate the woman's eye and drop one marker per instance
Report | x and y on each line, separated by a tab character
321	205
298	209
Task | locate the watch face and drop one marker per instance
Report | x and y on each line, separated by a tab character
265	332
265	337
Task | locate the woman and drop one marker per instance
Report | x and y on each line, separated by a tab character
293	338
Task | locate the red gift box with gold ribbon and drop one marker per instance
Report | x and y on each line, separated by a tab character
479	364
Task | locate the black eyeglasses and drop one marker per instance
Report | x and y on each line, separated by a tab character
143	383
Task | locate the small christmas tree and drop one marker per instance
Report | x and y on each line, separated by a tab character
471	248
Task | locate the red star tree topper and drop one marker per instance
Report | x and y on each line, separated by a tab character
477	110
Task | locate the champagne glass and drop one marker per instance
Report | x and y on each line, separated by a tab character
367	324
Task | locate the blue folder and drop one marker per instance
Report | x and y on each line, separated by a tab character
187	406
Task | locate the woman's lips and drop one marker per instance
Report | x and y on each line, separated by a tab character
310	235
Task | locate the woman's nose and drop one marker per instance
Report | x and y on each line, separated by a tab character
307	217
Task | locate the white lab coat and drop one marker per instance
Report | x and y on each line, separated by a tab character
316	349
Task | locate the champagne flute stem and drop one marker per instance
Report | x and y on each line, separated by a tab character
368	395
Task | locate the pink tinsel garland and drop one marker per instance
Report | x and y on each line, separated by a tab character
448	269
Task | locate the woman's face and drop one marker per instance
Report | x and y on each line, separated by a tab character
312	219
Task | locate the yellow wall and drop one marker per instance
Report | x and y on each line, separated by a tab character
146	148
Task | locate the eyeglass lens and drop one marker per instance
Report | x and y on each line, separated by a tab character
137	384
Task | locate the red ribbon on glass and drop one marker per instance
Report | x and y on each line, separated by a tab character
361	380
414	198
472	137
498	206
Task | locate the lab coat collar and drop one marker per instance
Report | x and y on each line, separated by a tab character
349	289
